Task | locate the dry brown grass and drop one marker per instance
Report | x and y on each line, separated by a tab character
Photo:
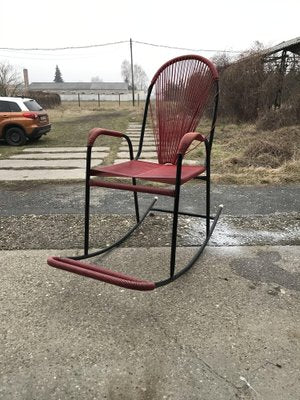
245	155
276	119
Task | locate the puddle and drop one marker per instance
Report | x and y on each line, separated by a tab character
256	230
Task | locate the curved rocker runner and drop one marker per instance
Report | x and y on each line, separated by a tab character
179	94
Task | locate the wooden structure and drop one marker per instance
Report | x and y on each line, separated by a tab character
284	55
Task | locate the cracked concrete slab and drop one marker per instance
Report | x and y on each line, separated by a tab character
137	139
150	154
62	149
57	164
215	333
137	129
51	156
42	175
146	147
62	163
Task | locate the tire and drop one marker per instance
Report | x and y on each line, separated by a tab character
15	137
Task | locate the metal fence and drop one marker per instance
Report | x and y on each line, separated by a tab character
102	97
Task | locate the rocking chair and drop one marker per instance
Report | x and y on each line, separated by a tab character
177	97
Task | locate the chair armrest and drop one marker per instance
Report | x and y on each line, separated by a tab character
95	132
187	139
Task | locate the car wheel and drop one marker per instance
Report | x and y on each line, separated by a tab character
15	137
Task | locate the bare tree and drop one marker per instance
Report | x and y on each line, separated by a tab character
139	75
221	61
10	81
126	71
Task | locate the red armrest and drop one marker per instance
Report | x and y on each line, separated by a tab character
95	132
187	139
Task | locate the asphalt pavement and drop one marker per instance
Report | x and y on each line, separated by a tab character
57	198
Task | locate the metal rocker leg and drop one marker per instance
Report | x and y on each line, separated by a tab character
73	264
118	242
173	275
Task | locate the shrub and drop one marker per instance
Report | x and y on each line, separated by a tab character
275	119
250	89
240	85
45	99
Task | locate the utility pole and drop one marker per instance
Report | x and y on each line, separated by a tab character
132	77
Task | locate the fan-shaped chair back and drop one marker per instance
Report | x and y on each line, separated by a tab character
180	89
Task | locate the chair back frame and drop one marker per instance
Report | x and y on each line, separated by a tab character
214	91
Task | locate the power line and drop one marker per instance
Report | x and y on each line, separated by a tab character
115	43
47	56
62	48
188	49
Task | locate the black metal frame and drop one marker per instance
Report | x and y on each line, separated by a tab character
209	227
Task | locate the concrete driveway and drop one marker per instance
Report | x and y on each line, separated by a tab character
229	329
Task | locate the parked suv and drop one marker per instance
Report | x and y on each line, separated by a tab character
22	119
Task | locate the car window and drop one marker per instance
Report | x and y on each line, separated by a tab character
14	107
32	105
4	106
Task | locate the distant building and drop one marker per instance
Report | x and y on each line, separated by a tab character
67	88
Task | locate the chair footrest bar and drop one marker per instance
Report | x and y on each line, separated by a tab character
102	274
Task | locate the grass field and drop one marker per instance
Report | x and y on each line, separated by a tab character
242	154
71	124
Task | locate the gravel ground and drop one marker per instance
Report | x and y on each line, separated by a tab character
66	231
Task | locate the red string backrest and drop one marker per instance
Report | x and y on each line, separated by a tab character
182	88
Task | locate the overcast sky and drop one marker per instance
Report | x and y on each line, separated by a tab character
231	25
